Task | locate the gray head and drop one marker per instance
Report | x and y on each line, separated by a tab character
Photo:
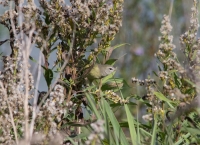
106	70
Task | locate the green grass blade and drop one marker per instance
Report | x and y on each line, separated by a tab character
138	128
131	125
163	98
181	140
117	129
153	139
93	107
145	132
106	119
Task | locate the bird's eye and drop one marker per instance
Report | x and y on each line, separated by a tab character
110	68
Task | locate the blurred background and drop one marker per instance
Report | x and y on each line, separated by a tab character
141	29
141	25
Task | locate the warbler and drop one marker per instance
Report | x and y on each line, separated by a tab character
99	71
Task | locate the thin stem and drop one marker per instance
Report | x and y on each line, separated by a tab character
35	97
26	54
170	9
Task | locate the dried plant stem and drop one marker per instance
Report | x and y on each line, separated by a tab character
26	98
170	9
12	23
3	89
26	54
10	111
35	97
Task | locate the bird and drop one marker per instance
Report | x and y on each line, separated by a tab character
99	71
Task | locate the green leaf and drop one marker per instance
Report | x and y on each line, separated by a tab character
159	68
119	45
31	58
48	75
131	126
116	127
118	80
124	124
192	131
105	79
77	124
155	73
119	104
85	132
71	140
111	84
145	132
47	20
111	61
105	142
93	107
163	98
177	80
182	139
190	91
108	131
153	139
53	49
52	38
191	83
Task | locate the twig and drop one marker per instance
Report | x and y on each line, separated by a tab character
11	20
26	110
2	42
